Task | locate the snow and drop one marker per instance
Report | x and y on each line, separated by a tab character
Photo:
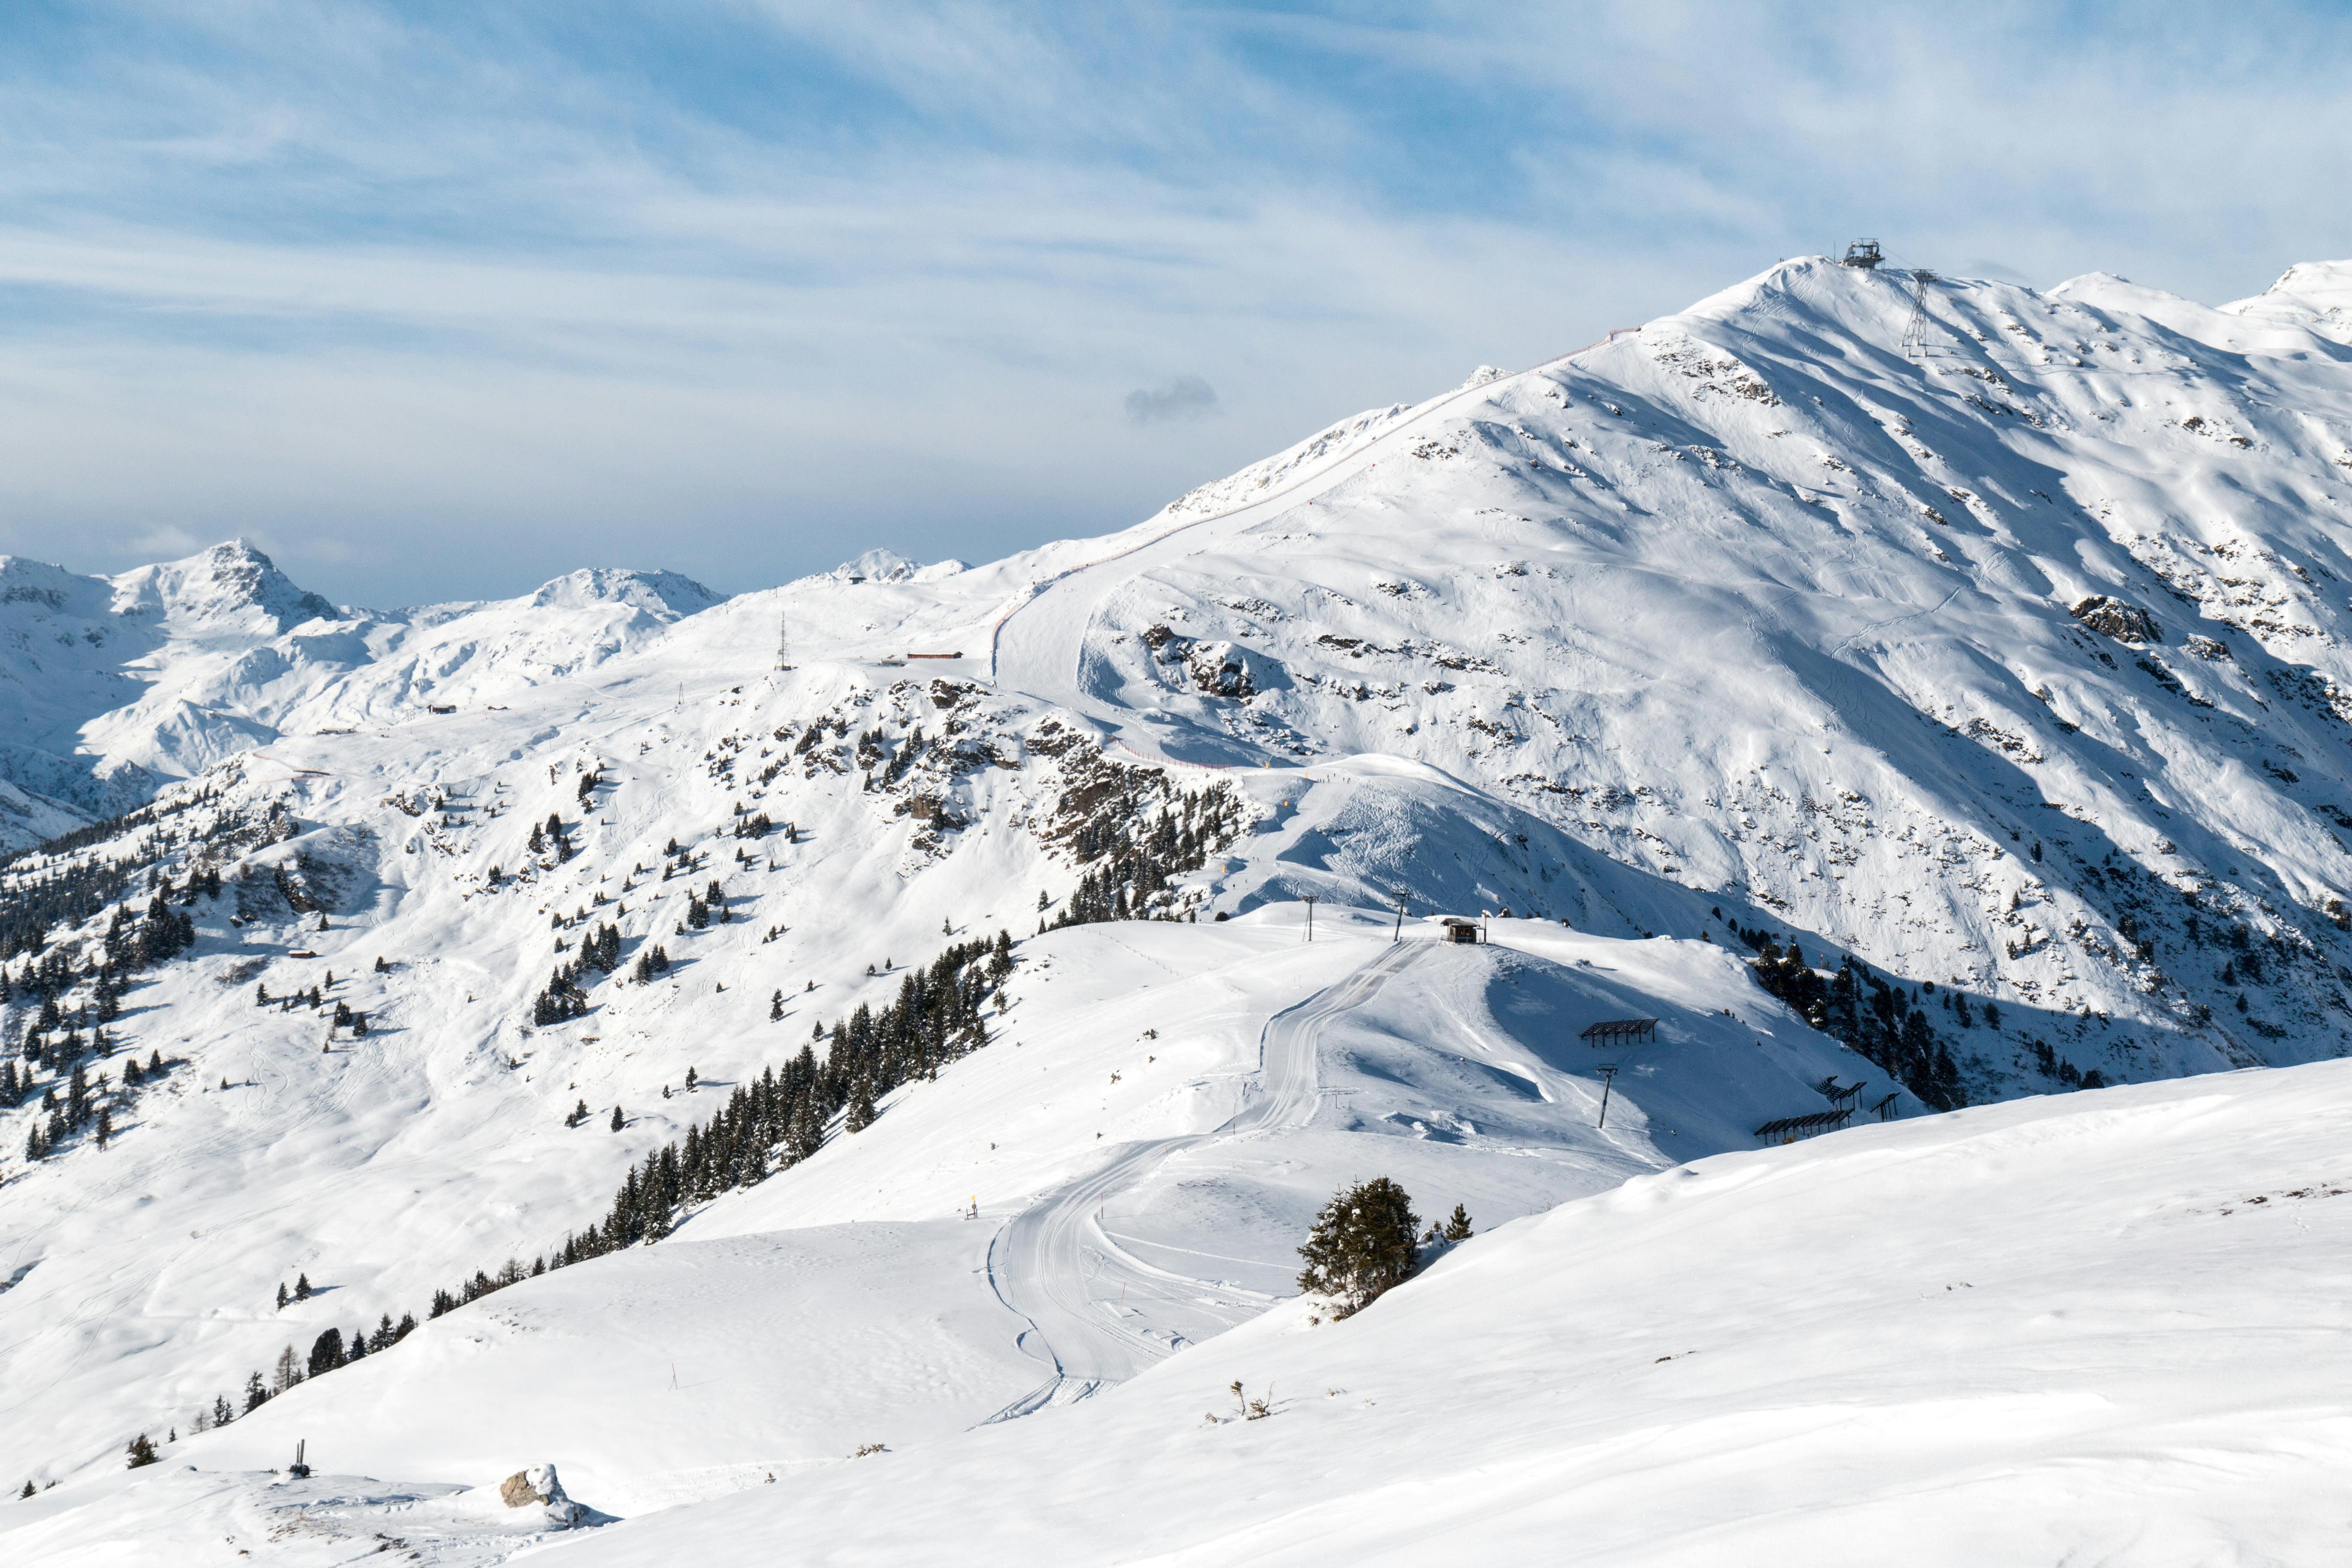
2100	1327
1763	616
112	687
2097	1328
735	1358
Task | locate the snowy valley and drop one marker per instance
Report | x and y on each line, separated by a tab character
850	1062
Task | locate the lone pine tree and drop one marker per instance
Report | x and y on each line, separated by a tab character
141	1451
1361	1245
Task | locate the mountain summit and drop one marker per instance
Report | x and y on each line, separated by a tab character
230	590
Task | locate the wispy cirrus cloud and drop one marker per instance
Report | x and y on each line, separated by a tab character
468	296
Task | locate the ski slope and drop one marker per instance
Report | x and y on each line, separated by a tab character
2016	672
2102	1328
1054	1264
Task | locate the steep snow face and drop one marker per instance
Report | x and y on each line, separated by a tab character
231	592
113	686
1998	638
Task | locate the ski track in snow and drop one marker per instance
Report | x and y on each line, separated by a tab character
1054	1264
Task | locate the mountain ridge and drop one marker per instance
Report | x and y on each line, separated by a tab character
1973	656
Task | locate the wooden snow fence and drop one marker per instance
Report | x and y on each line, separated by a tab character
1788	1129
1619	1031
1844	1099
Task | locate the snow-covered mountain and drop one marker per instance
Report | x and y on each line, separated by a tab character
1971	658
110	687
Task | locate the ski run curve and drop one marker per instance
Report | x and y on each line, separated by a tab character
1055	1264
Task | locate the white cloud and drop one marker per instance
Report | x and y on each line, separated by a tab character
476	308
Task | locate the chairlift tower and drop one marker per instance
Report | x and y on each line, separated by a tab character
783	643
1921	340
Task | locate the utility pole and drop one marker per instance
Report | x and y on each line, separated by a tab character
1310	915
1399	934
1608	1071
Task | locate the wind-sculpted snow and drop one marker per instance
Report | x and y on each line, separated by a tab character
1977	657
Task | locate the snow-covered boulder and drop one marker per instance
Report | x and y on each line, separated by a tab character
538	1486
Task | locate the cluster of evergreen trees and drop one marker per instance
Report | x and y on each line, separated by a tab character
564	995
550	835
130	943
87	1104
33	901
1881	1022
2054	1065
1141	861
711	904
779	1119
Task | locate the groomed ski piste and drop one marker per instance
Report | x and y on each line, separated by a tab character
1716	630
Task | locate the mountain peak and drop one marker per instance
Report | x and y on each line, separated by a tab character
877	566
2314	295
229	584
665	595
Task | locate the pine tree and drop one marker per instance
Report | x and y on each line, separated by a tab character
257	1394
1361	1245
776	1006
141	1451
1457	1226
301	1287
327	1352
286	1373
617	1119
222	1412
27	1492
281	1295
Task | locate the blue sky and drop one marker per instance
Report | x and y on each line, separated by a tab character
439	300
